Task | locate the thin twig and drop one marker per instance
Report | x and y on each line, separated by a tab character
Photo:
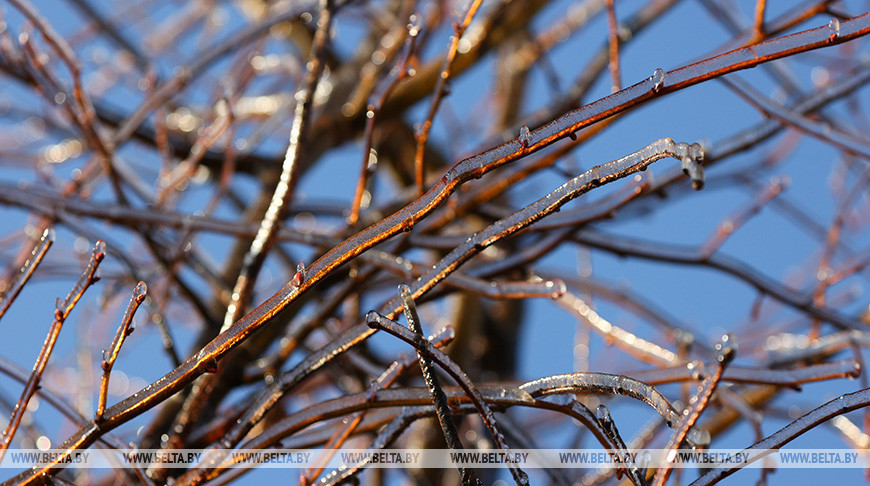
392	373
613	43
448	427
725	351
369	157
61	312
36	255
124	329
734	221
631	343
607	423
419	342
836	407
821	130
440	91
758	24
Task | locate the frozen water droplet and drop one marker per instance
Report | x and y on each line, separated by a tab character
834	27
300	275
603	414
658	79
140	291
525	136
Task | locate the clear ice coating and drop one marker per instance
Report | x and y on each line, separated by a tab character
834	27
658	79
603	414
525	136
140	291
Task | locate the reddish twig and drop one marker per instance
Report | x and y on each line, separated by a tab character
422	135
725	351
613	43
124	329
36	255
403	70
61	312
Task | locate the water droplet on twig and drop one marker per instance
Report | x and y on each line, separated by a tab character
658	79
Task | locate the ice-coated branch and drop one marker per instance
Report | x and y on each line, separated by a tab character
448	426
36	255
417	340
124	329
61	312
